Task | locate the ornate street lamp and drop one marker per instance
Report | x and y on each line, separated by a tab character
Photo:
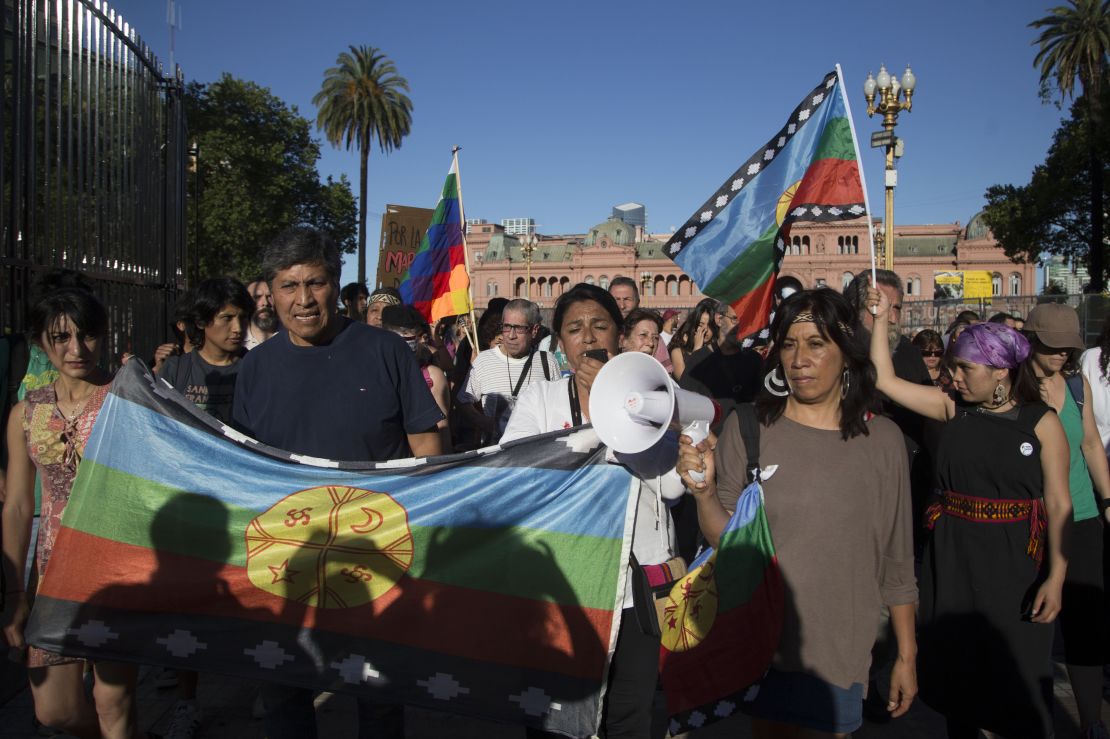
527	246
893	98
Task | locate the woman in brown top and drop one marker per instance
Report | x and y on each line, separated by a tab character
838	505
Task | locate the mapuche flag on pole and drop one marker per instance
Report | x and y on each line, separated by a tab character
733	245
487	583
437	282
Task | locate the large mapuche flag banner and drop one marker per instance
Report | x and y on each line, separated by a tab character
482	584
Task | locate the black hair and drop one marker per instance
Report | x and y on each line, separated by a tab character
968	316
999	318
580	293
684	337
351	291
59	279
926	338
181	314
637	315
1104	350
399	318
301	245
207	299
835	320
81	307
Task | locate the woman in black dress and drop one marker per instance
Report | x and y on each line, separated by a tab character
993	568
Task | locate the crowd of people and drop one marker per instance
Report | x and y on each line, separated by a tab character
936	501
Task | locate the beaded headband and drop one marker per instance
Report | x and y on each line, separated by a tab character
807	317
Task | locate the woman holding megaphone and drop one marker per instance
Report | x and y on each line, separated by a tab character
838	509
587	323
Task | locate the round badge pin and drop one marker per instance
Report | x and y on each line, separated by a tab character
1026	449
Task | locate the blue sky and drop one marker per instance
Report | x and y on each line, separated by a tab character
565	109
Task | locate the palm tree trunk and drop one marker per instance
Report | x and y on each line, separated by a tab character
1098	281
363	157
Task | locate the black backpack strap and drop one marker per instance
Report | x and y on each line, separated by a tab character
1075	385
749	432
543	361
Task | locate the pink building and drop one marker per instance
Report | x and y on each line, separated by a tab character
819	254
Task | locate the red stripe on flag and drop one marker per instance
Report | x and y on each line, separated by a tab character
463	622
734	654
830	182
753	308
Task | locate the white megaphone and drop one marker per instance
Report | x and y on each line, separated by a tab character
633	402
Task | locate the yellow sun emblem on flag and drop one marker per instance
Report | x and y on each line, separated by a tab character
330	547
784	202
690	609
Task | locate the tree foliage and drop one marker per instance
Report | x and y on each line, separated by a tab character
1073	44
1051	214
257	176
362	99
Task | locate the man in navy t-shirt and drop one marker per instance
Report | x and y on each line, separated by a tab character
328	387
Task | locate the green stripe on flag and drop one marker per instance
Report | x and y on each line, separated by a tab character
742	560
122	507
750	270
836	141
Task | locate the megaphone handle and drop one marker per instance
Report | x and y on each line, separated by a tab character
698	431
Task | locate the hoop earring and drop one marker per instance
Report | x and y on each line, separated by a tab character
775	385
999	394
845	383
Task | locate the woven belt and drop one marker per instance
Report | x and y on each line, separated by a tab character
993	510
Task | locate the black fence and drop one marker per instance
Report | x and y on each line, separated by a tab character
92	166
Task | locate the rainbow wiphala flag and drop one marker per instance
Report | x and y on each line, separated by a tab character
437	282
733	245
481	584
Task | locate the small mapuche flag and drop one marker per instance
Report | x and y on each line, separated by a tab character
437	283
722	622
487	583
733	245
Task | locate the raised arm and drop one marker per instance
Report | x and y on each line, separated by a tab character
931	402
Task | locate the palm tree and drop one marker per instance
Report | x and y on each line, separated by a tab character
362	99
1074	43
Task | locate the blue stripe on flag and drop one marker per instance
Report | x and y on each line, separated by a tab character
542	498
719	242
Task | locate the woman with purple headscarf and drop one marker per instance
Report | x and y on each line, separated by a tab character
993	568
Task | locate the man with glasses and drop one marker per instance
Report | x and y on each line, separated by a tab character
498	375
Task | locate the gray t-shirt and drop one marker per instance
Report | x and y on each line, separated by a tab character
839	513
211	387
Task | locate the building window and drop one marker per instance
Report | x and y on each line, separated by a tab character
917	286
672	286
795	246
547	289
491	289
996	284
589	280
1015	284
820	282
805	245
846	280
840	245
604	282
477	256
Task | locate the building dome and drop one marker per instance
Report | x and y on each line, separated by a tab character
613	232
977	228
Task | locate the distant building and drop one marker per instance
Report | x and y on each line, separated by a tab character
519	226
1070	278
819	254
471	222
633	214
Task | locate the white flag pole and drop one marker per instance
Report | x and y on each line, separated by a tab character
859	167
466	250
